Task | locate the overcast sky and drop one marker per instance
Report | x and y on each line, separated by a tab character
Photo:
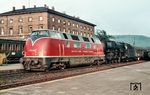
131	17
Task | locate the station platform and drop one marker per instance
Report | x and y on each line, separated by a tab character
9	67
127	80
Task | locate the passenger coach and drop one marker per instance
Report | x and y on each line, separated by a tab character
46	49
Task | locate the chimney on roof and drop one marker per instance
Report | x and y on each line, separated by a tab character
23	7
45	5
53	8
34	6
13	8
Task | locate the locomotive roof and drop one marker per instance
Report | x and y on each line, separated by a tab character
71	36
43	9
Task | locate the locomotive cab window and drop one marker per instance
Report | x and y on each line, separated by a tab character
86	39
65	36
92	40
75	37
42	33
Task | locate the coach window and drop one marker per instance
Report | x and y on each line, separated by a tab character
76	45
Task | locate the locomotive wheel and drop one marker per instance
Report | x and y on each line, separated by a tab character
97	62
62	66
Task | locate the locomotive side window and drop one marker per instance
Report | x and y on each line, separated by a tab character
55	35
76	45
86	39
65	36
67	44
92	40
87	45
75	37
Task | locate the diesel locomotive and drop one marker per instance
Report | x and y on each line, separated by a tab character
47	49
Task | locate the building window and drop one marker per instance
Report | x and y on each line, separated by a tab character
91	29
69	23
69	30
59	20
20	20
72	32
73	24
77	25
20	30
41	26
11	21
40	18
64	22
11	31
81	26
30	19
53	28
1	21
84	27
59	29
53	19
1	31
30	28
64	30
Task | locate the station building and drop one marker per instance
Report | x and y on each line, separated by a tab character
18	23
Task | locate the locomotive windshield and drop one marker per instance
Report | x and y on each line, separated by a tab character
40	33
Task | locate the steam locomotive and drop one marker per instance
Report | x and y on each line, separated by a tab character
47	49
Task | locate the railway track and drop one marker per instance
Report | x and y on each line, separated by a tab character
21	78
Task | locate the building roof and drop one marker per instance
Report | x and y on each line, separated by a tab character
42	9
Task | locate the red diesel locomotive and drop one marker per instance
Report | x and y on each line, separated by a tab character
46	49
